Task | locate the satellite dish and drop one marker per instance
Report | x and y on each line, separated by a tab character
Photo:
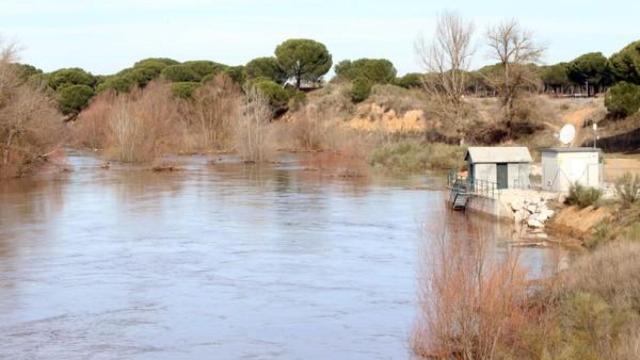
567	134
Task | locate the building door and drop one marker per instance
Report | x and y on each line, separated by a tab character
502	176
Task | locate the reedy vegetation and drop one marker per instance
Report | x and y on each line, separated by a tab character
479	305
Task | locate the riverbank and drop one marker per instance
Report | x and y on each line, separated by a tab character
586	309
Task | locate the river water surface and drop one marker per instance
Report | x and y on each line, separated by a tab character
214	262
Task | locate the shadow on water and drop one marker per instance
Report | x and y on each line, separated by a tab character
224	261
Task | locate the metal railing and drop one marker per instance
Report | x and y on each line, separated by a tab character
475	187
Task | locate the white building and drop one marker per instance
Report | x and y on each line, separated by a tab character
505	166
562	167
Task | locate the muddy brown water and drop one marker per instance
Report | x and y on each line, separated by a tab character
215	262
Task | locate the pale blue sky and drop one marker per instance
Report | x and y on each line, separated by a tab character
106	36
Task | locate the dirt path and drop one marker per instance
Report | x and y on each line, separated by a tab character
577	119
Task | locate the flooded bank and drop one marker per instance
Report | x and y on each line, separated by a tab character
226	261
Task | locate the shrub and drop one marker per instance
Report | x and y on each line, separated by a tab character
236	73
184	90
470	302
360	90
409	81
26	71
204	67
30	126
297	99
377	71
142	74
266	67
252	132
602	233
73	98
71	76
117	83
90	128
275	94
180	73
143	125
215	107
156	62
583	196
628	188
309	130
136	127
623	99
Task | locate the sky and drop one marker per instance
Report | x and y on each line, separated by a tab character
109	35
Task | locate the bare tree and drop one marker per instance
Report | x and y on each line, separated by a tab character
446	60
514	48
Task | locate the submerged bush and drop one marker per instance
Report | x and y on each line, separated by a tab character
583	196
213	111
252	132
144	124
413	156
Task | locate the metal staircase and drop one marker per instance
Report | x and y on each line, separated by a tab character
459	194
463	188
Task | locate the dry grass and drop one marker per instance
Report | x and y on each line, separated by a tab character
30	125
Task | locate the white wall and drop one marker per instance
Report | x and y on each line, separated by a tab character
519	176
486	172
560	170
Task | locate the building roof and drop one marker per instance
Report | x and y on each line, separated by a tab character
569	149
498	154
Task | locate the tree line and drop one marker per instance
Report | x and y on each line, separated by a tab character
299	65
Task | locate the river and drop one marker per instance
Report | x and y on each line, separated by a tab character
228	261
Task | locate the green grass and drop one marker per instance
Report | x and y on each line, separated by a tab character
411	156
